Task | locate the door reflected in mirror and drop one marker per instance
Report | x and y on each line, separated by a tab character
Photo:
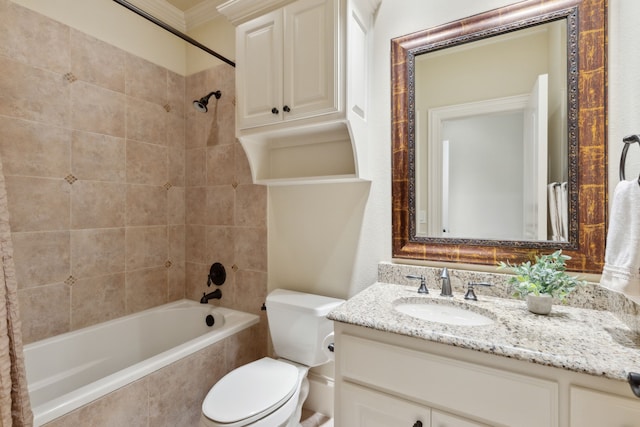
491	137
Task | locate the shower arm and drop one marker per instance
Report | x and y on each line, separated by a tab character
201	104
173	31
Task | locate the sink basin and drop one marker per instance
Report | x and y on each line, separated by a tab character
442	313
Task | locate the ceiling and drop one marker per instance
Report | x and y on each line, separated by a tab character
184	5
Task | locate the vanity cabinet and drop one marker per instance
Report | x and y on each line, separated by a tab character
302	88
385	379
287	63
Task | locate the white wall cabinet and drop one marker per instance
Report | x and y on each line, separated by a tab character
287	64
385	379
302	85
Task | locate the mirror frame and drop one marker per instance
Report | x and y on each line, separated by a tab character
586	39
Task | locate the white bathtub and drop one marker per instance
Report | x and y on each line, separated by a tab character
70	370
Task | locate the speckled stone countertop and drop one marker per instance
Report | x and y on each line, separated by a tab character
583	340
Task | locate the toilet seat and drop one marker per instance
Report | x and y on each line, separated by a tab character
250	392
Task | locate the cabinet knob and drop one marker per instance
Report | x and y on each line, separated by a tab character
417	424
274	110
286	109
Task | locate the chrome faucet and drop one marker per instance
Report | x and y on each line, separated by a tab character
470	292
423	283
217	294
446	283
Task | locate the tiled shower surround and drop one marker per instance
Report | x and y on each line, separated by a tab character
120	194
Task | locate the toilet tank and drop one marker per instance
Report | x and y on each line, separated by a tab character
298	325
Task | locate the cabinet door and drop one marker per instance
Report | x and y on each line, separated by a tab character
310	63
595	409
362	407
259	70
442	419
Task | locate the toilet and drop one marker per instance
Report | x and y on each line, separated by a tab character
270	392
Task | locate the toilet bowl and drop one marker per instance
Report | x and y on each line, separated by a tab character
264	393
270	392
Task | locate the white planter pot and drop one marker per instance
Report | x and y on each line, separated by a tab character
539	304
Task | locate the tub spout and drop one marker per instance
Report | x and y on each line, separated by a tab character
217	294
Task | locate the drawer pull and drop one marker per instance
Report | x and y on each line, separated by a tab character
417	424
634	382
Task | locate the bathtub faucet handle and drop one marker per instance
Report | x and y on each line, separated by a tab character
217	274
217	294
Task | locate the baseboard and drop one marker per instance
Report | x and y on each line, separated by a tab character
320	397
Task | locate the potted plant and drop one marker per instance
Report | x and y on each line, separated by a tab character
543	280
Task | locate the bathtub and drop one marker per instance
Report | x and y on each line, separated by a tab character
70	370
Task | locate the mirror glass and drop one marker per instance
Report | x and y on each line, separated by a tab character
499	136
491	145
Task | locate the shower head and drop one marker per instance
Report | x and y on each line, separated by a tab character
201	104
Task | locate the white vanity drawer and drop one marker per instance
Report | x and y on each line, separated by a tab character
362	407
442	419
591	408
499	397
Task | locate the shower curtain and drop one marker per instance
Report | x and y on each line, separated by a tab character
15	409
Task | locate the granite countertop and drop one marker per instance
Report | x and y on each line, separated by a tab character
578	339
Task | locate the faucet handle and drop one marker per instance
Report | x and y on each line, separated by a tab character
423	283
471	295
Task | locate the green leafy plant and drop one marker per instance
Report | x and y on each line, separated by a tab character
547	275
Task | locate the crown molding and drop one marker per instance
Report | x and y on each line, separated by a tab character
239	11
164	11
183	21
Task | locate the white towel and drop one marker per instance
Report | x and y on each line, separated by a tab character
558	211
564	210
554	218
622	256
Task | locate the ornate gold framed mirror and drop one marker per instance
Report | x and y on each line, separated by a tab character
540	188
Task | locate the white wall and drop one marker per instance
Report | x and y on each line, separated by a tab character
624	86
218	35
110	22
106	20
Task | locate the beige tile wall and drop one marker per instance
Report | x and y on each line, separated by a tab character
121	195
225	213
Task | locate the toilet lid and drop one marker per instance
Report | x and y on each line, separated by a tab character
250	391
